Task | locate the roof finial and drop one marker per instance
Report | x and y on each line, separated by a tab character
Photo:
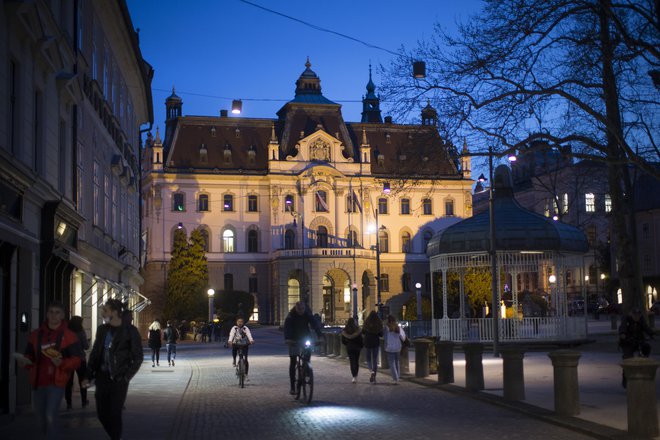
173	89
308	64
157	140
369	70
364	136
465	148
273	138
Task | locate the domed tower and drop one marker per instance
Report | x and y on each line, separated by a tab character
429	115
309	83
173	107
371	103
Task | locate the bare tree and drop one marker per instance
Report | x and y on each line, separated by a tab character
578	72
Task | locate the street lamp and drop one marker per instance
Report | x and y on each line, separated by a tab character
294	214
355	302
552	279
211	294
418	289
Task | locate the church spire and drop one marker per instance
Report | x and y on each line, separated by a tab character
371	103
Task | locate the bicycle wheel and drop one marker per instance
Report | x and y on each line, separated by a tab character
298	382
241	373
307	384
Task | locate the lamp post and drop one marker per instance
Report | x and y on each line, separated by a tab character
377	230
294	214
355	302
553	300
211	294
418	290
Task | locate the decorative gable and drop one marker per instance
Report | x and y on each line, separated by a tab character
320	147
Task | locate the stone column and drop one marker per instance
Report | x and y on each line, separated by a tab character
642	402
404	362
474	369
513	375
337	344
422	349
567	397
445	352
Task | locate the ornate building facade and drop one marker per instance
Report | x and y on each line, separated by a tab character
305	205
74	91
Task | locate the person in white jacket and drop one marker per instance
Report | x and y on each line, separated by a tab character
240	336
393	338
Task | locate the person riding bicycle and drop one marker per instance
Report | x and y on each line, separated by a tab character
240	336
631	337
298	326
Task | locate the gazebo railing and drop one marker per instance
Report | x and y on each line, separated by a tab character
510	330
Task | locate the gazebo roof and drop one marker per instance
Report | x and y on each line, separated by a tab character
516	228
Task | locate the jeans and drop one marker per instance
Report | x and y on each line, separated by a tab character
171	352
155	355
372	358
393	359
354	360
46	403
110	398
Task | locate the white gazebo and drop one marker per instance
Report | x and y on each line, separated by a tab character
533	256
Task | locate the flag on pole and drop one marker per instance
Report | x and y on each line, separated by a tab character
356	202
321	203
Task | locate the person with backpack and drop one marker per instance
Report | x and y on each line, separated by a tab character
171	335
154	340
240	336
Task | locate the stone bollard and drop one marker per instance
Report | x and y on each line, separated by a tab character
328	343
337	344
613	321
567	397
642	402
384	362
445	352
513	375
321	349
474	368
422	349
404	361
343	353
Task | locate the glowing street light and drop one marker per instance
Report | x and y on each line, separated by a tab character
211	294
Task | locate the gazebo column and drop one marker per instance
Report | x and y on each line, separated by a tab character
461	293
444	294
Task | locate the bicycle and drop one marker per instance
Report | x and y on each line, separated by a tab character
241	365
304	380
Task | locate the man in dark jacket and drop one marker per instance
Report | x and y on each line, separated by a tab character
115	358
297	329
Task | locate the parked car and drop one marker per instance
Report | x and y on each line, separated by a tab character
576	307
613	309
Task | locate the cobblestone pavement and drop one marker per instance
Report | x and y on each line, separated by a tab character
200	398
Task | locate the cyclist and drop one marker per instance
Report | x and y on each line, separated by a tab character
240	336
298	326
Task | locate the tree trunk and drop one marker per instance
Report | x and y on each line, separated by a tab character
623	226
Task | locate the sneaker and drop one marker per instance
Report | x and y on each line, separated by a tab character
172	362
247	379
169	364
372	378
85	403
354	380
292	391
157	364
233	364
68	406
153	365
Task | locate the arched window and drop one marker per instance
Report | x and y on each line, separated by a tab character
178	202
289	239
253	241
383	241
406	244
228	241
174	231
322	237
203	203
321	201
205	235
428	235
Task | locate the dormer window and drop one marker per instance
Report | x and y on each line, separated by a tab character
381	159
302	134
212	131
387	138
203	154
238	133
252	154
227	154
402	157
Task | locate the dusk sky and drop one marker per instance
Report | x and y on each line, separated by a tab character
215	51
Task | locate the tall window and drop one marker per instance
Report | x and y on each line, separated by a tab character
252	203
205	236
321	201
229	281
590	202
427	236
564	204
228	202
352	203
384	282
253	241
608	203
427	207
252	284
289	203
228	241
449	207
405	206
178	202
97	194
289	239
203	203
406	246
383	241
322	237
37	150
405	282
382	205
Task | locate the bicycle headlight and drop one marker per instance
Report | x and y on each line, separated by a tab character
308	343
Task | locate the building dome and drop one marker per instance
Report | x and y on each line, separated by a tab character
516	228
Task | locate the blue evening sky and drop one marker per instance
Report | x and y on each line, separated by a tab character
214	51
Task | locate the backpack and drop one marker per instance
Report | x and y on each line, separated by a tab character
240	338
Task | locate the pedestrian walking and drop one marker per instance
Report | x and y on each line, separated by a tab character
115	358
52	355
76	326
154	340
351	337
372	331
171	335
393	339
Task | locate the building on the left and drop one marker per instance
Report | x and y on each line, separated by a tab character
74	95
